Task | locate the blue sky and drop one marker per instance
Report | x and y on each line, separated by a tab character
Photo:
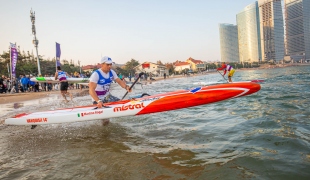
146	30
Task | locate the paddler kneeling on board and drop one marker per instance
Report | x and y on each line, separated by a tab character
226	67
62	76
100	82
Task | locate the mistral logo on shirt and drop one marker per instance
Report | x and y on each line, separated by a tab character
89	113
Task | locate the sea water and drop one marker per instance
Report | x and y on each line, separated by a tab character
265	135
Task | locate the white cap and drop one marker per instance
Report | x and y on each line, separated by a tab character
107	60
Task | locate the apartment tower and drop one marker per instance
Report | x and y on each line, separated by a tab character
297	19
249	34
229	43
271	30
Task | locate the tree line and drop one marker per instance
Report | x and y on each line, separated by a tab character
27	64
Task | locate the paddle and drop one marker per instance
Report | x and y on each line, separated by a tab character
140	74
222	76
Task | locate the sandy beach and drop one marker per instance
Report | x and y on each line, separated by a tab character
20	97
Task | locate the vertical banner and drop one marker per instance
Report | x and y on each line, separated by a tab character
58	53
14	56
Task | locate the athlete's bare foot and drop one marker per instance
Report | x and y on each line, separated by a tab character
66	101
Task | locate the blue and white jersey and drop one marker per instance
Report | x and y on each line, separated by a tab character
103	81
62	76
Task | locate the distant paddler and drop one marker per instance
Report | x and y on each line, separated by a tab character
62	76
226	67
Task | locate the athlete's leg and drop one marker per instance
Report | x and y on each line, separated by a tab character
229	79
63	90
230	74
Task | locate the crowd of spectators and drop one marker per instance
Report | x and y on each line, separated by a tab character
23	84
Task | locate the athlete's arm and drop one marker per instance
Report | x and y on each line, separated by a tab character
56	75
93	94
223	67
224	72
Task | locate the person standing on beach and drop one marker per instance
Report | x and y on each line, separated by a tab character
2	79
25	82
226	67
62	76
36	87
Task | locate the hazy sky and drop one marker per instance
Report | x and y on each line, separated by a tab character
146	30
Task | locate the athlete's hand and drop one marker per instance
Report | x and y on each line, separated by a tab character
99	104
128	88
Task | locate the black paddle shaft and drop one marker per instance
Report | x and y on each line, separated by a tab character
140	74
222	76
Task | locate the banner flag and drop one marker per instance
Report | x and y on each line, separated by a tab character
14	56
58	53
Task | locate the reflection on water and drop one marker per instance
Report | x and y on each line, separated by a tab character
262	136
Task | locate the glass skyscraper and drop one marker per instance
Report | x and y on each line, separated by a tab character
249	34
229	43
297	19
271	30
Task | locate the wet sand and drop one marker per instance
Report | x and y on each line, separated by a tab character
20	97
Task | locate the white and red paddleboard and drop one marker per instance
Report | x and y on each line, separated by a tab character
145	105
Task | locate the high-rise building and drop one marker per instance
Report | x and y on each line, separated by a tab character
297	20
271	30
229	43
249	34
